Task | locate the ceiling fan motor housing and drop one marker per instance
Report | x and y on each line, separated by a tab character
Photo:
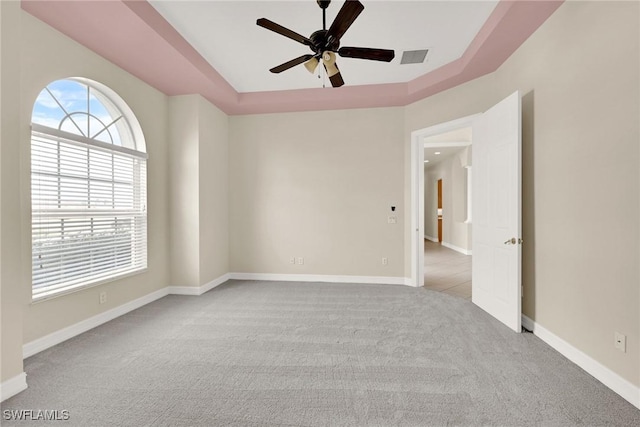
321	43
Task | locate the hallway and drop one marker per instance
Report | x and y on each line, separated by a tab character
446	270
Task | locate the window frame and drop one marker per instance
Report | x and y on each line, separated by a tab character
53	135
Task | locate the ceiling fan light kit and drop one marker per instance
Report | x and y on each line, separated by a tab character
311	65
326	43
329	61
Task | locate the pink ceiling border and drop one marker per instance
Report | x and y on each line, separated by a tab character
134	36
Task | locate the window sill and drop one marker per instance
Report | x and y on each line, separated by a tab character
48	295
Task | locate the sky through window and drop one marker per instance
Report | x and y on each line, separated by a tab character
77	108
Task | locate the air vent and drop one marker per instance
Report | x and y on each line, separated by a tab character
414	56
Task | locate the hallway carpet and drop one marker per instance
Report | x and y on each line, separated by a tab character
313	354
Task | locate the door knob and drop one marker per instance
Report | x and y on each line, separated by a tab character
513	241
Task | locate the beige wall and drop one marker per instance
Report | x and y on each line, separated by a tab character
320	186
10	214
185	190
579	77
455	232
578	121
198	187
214	192
47	55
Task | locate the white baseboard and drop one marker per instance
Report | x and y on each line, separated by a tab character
40	344
456	248
13	386
449	245
409	282
615	382
193	290
377	280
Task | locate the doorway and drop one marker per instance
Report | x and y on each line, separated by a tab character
447	228
421	144
497	203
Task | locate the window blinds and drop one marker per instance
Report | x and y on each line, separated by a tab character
89	219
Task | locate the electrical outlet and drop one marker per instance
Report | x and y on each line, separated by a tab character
292	260
103	297
392	219
385	261
300	260
620	342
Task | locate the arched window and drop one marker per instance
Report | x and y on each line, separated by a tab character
88	188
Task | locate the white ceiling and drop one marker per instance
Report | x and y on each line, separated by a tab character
226	35
455	138
445	153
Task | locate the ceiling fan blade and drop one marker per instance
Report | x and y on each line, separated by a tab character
336	80
329	62
385	55
276	28
283	67
349	12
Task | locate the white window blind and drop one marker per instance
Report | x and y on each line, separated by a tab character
89	219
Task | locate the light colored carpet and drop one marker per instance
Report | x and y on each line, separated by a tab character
300	354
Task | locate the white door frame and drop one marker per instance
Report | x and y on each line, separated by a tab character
417	188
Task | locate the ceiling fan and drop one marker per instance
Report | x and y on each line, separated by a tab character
326	43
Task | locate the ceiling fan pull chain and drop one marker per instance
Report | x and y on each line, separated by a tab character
324	76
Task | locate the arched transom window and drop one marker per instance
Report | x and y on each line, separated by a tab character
88	188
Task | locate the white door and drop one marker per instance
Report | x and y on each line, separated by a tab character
497	200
